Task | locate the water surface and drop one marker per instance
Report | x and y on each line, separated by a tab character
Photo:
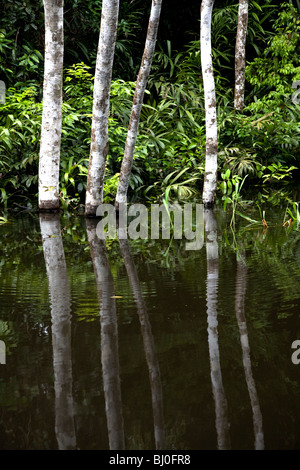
142	344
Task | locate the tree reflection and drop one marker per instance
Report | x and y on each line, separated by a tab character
212	256
109	338
241	286
149	346
61	329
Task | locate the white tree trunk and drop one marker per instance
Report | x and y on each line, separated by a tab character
101	101
49	159
211	161
138	98
240	55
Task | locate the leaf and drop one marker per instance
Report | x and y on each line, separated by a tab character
248	218
256	6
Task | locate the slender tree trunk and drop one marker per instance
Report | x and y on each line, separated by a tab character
240	55
49	159
141	83
211	162
101	100
59	293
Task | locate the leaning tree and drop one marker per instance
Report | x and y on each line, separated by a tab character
142	78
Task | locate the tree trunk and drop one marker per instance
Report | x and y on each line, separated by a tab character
49	159
141	83
240	55
211	162
101	100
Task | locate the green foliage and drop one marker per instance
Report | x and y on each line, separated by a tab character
231	187
239	161
76	132
261	143
3	220
272	76
175	116
269	126
229	183
82	25
275	172
22	31
19	141
175	187
20	123
110	188
293	212
278	66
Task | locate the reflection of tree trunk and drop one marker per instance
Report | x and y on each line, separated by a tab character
61	329
109	339
241	285
212	255
153	365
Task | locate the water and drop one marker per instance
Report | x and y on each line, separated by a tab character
145	345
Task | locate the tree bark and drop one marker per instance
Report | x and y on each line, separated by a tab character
101	101
142	78
240	55
49	158
211	154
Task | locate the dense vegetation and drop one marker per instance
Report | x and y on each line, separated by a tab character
258	148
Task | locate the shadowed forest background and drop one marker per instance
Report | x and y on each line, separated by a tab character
258	149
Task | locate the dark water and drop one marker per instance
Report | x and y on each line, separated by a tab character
143	344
